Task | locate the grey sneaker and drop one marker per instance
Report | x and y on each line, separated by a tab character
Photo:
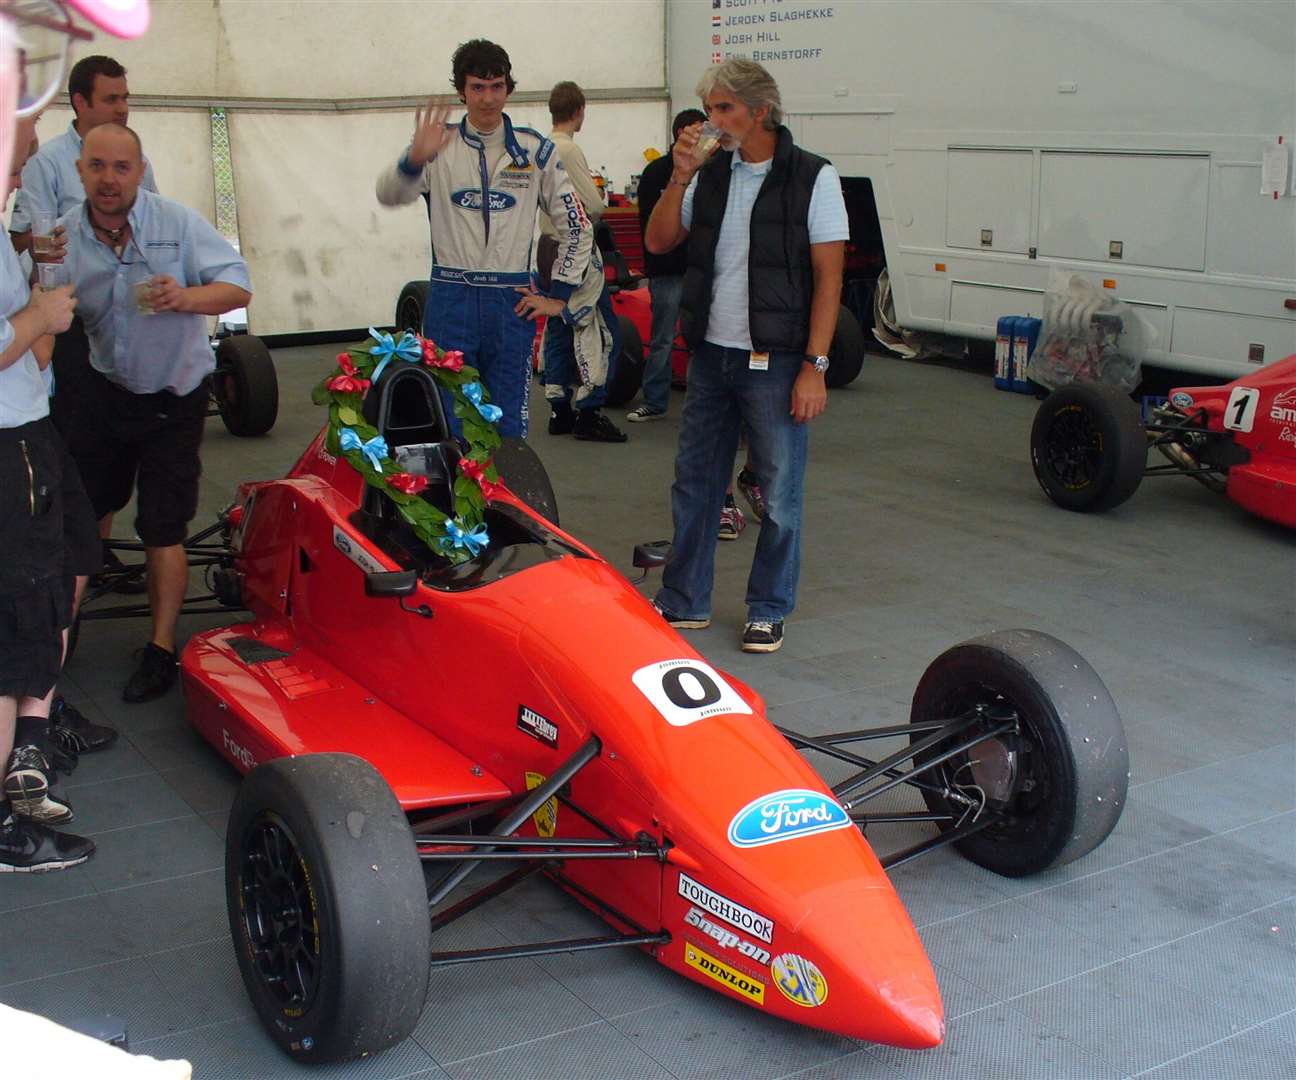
643	414
28	786
762	635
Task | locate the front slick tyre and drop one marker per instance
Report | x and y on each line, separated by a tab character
1088	447
1056	783
327	907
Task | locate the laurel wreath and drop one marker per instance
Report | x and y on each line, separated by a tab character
458	537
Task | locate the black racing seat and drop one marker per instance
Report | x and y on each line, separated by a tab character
406	408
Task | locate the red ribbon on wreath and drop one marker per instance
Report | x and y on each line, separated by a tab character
407	484
476	470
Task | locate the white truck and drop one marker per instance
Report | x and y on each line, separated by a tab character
1145	146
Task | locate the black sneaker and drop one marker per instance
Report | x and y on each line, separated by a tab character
562	420
761	635
73	733
155	675
679	622
28	848
28	786
593	426
118	577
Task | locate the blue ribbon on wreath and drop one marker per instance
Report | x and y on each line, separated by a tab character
387	349
472	540
473	392
375	449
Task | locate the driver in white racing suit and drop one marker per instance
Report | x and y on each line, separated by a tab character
485	180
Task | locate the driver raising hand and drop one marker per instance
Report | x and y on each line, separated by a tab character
484	180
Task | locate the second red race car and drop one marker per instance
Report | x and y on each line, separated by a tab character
1089	442
436	677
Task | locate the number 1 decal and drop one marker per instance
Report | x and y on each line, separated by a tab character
1240	412
686	691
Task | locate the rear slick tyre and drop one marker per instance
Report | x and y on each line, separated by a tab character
1088	447
846	356
629	368
245	386
1065	768
327	907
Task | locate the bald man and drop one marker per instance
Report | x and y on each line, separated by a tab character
147	272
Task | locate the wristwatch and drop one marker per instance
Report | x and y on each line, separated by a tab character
820	363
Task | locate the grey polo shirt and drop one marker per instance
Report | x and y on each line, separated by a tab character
169	350
50	180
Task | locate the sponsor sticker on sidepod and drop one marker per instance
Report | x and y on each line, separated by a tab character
786	815
754	923
799	980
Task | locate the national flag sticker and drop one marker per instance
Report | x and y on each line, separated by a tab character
715	58
715	20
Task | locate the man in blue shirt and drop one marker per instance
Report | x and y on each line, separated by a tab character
766	226
146	271
50	182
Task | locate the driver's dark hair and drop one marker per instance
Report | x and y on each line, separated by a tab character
483	59
81	78
684	119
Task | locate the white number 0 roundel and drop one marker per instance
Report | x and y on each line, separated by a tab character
686	691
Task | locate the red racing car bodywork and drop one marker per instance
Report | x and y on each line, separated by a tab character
537	672
1089	442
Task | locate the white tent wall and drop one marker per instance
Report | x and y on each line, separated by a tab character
320	96
323	254
177	142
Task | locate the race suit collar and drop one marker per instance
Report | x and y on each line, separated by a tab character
478	142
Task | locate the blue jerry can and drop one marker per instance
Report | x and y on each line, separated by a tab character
1025	335
1003	372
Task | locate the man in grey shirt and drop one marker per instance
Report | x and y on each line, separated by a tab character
146	271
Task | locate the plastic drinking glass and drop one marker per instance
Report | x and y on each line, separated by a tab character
708	141
43	222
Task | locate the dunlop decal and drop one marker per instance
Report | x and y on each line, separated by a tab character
718	971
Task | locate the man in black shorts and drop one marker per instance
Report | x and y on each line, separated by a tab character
147	271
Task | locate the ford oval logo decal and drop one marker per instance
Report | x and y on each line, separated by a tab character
471	199
786	815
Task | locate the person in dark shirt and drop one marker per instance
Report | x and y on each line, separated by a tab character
665	283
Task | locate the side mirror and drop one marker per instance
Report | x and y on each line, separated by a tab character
391	583
651	555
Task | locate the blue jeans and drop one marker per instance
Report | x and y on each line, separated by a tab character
666	292
479	321
560	356
725	395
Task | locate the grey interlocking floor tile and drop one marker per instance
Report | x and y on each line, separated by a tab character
241	1050
614	982
174	747
121	761
118	804
475	1009
1010	949
707	1035
63	936
203	980
1128	1014
595	1052
1002	1043
1267	1050
1228	794
1253	955
127	989
205	788
165	849
31	890
170	913
1163	897
1274	839
944	885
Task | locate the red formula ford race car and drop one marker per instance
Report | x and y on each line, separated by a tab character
1089	442
409	712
